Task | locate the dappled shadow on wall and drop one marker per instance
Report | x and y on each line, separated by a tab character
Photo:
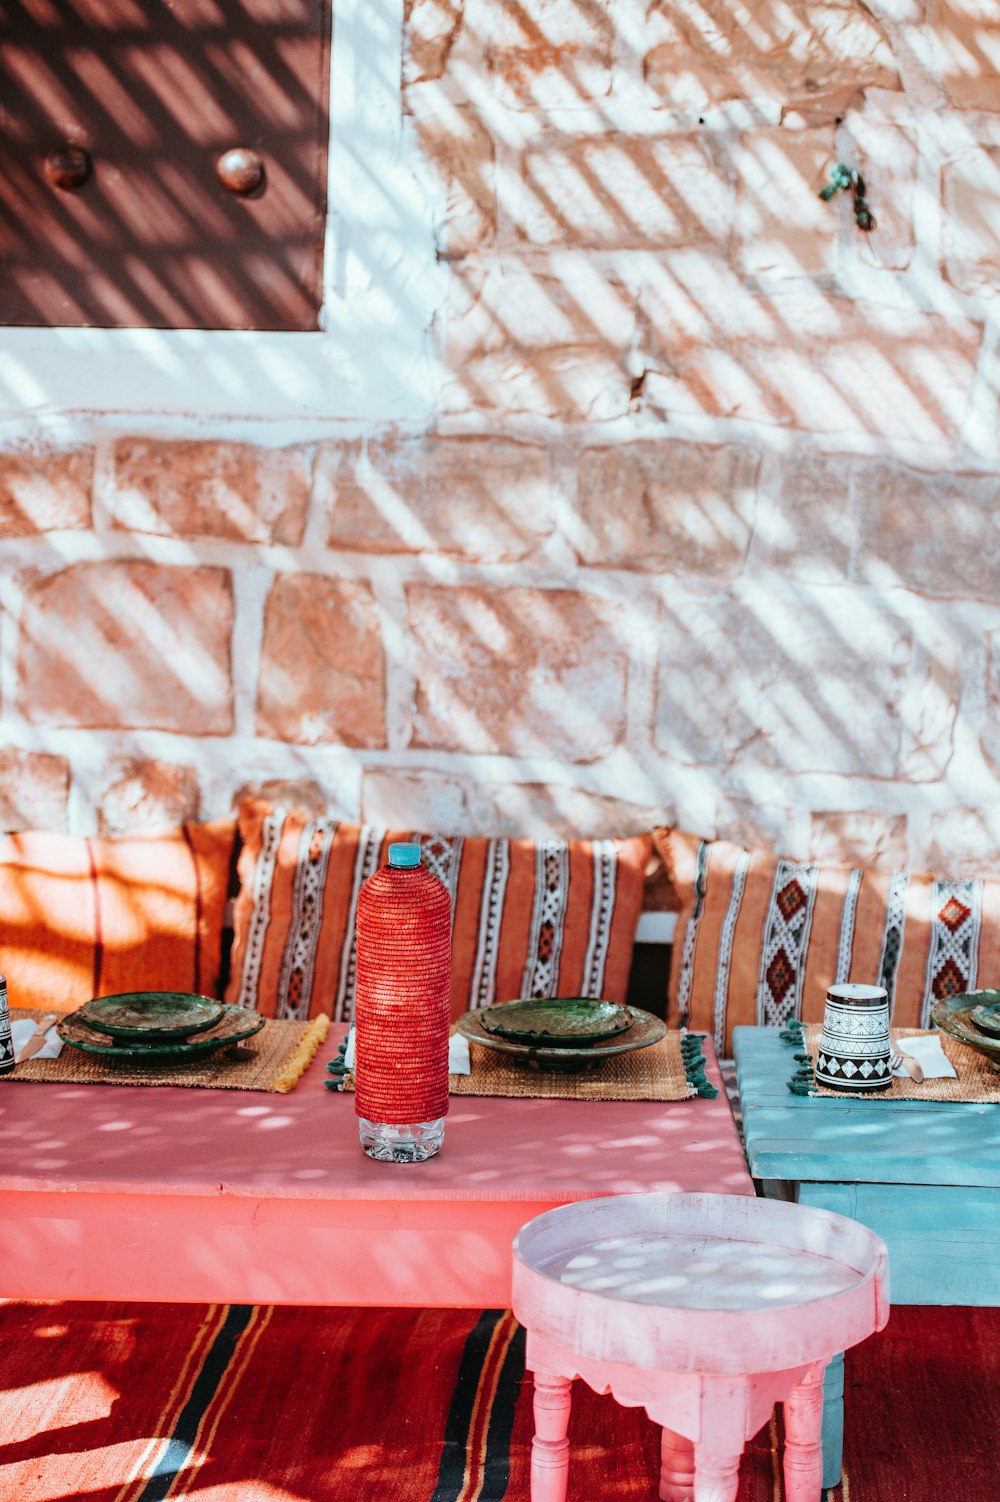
629	228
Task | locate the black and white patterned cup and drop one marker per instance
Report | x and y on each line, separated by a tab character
854	1053
6	1044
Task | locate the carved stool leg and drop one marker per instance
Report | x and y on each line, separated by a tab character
550	1447
803	1441
676	1468
716	1477
833	1421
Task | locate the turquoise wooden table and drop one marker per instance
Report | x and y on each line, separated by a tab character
924	1175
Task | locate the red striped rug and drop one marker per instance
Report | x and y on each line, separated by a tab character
138	1403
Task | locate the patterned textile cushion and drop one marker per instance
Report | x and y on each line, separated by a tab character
91	917
546	919
760	938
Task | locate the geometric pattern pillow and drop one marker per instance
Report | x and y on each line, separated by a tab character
546	918
83	917
760	937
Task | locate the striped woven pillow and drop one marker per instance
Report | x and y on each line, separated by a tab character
760	937
552	918
91	917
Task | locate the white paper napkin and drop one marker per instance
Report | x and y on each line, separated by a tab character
929	1055
21	1029
459	1061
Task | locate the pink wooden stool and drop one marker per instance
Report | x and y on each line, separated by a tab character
704	1309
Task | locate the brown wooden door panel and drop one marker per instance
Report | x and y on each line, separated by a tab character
155	93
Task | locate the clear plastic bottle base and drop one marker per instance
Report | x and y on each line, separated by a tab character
414	1143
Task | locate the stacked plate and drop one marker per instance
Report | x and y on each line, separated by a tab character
144	1026
567	1033
973	1017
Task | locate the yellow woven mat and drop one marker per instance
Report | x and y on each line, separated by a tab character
274	1059
653	1073
977	1081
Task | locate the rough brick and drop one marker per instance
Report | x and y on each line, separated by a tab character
546	54
34	789
619	190
806	530
673	507
785	229
43	489
394	798
858	837
430	30
803	358
452	804
566	385
935	533
288	792
149	795
755	824
886	157
518	671
548	339
210	489
460	151
128	644
959	43
785	680
971	192
964	842
930	705
322	673
991	720
811	60
472	498
560	302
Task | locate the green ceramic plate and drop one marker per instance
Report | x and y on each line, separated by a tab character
151	1016
236	1024
558	1021
644	1030
954	1017
987	1018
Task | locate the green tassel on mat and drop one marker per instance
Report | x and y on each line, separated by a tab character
802	1082
695	1065
337	1068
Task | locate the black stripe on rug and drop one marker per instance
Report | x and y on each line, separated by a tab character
496	1464
458	1425
214	1367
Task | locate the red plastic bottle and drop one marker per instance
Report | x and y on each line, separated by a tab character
402	1013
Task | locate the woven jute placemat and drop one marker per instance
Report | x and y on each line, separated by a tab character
659	1072
977	1082
273	1059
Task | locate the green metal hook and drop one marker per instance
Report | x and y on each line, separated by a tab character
845	179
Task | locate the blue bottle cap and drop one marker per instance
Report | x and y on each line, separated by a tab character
404	856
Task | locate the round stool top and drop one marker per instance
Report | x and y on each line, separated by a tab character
699	1282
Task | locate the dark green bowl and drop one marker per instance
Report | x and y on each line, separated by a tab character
151	1016
556	1021
987	1018
954	1017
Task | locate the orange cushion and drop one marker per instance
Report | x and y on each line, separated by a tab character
760	938
91	917
293	951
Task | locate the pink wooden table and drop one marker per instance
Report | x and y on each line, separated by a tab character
242	1197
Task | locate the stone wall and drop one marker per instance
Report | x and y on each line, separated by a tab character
703	525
